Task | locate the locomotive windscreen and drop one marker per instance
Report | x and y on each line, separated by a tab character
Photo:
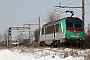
73	24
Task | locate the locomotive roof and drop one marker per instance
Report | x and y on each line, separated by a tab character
51	22
62	19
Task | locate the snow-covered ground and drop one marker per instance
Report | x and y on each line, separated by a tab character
44	54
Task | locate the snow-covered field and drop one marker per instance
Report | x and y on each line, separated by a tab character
44	54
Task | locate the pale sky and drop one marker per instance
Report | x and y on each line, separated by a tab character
17	12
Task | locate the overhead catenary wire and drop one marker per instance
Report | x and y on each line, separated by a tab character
87	12
87	2
46	12
66	5
54	7
86	5
72	3
60	2
74	8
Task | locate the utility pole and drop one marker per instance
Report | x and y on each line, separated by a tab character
29	34
88	29
7	37
35	24
39	31
39	22
83	9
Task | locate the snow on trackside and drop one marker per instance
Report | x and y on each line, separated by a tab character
42	54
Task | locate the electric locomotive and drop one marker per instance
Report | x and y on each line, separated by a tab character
66	31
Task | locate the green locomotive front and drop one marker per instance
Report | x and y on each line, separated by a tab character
73	30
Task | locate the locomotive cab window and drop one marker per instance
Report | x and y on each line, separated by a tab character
69	25
73	25
78	25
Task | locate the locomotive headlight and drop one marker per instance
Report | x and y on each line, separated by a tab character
78	34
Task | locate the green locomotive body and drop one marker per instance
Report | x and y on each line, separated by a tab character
66	31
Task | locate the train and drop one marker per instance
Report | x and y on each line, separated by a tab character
63	32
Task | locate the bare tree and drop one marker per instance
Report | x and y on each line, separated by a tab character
20	37
52	16
23	39
1	40
36	36
1	37
87	38
5	36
